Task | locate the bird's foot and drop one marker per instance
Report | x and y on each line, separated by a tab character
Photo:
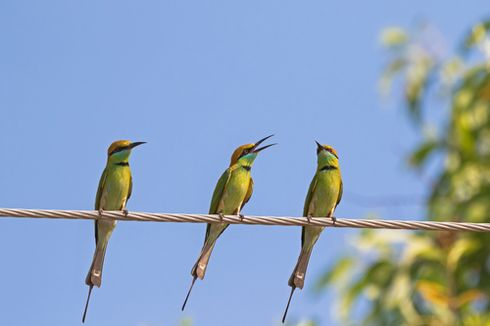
221	217
125	212
308	217
334	219
241	216
101	211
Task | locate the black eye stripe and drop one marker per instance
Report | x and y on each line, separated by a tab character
245	152
332	152
119	149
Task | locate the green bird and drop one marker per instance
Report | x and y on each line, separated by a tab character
232	192
323	196
114	190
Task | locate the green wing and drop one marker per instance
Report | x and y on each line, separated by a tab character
218	191
217	194
130	191
249	193
311	190
341	191
102	180
100	189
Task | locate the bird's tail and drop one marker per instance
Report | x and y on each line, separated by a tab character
287	306
297	279
189	292
94	276
103	231
199	269
86	303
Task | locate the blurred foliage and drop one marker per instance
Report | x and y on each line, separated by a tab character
429	278
186	321
302	323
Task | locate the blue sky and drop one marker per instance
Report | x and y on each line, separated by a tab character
194	79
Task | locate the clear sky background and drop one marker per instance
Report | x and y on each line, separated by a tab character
194	79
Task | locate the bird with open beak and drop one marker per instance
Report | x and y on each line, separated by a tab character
232	192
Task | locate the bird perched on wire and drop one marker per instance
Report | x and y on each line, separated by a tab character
323	196
232	192
114	190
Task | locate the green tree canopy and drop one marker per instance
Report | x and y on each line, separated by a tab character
431	278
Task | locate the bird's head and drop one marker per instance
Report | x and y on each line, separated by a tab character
120	150
247	153
326	154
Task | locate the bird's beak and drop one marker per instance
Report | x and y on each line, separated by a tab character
256	150
262	148
137	143
319	146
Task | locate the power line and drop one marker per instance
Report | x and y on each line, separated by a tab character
251	220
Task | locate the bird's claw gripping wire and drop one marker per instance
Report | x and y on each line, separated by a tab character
241	216
308	217
101	211
259	220
221	217
125	212
334	220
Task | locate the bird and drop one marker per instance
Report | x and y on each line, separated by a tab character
114	190
232	192
324	194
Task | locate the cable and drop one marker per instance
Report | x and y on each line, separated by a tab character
254	220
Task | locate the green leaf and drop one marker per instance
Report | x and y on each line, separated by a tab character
342	267
475	36
461	247
393	36
419	157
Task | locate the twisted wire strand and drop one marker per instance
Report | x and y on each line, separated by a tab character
254	220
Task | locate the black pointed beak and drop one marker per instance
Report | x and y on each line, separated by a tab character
262	148
137	143
256	150
262	140
319	146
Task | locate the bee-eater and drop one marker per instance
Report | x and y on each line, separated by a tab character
232	192
323	196
114	190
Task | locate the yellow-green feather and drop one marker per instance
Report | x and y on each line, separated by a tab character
229	196
218	191
213	209
114	189
99	189
324	195
249	192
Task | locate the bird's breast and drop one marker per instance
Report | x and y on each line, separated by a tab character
326	193
235	191
116	189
